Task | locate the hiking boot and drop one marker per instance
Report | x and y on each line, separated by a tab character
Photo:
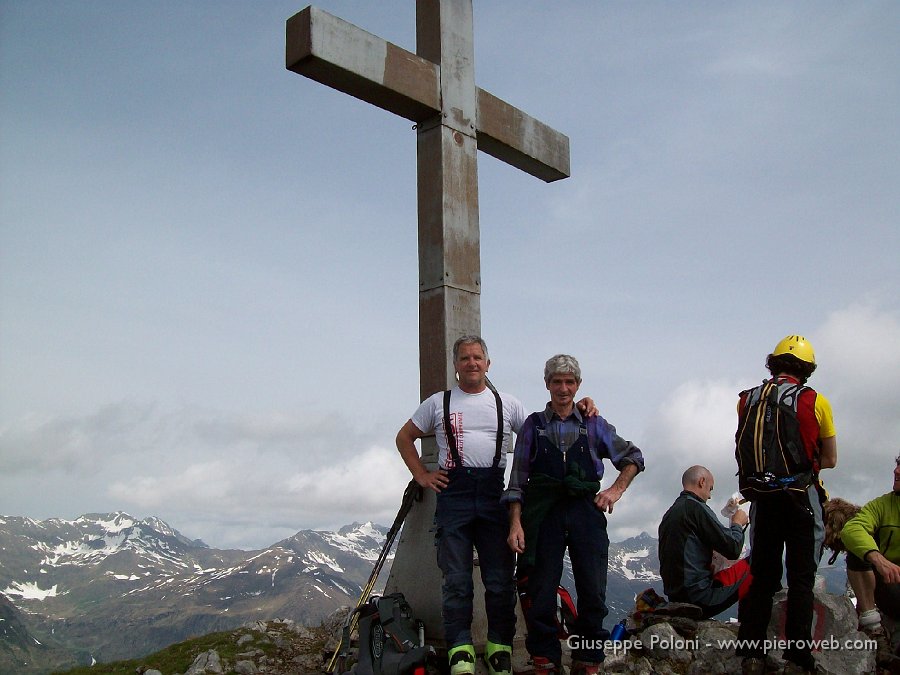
498	658
544	666
872	630
753	666
807	664
870	623
584	668
462	660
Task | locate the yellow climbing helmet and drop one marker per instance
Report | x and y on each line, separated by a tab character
798	346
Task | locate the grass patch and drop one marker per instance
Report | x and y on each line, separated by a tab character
178	658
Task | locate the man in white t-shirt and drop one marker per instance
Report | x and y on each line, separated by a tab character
469	482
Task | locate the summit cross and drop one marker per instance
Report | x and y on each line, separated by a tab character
435	88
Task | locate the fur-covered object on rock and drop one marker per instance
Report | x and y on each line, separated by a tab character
837	511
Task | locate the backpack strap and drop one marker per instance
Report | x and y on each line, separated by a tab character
451	438
769	393
395	616
789	394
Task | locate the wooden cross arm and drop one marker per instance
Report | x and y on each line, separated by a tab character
338	54
514	137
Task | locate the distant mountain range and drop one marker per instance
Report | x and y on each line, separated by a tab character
106	587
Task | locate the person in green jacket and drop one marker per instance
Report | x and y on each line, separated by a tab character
873	535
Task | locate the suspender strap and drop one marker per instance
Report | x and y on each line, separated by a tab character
448	429
499	451
451	438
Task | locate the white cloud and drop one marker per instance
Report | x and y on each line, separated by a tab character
253	488
858	351
354	485
696	422
73	443
246	479
252	478
858	348
859	373
220	330
194	487
694	425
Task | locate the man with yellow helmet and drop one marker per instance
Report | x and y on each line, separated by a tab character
788	519
798	346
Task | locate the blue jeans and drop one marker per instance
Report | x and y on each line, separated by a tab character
469	514
580	525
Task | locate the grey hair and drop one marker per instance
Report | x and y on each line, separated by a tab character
562	363
469	340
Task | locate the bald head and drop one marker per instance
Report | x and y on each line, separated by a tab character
698	480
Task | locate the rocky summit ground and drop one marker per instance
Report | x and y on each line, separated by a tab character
672	645
276	647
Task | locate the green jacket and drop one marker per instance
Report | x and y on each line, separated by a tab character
542	493
875	528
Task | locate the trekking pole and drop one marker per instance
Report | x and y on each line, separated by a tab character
411	494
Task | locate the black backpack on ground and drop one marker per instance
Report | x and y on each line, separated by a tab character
769	449
391	640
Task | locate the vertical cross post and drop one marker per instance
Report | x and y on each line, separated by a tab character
447	177
435	88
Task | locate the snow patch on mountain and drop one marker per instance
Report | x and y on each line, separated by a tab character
30	591
362	540
94	550
319	558
118	522
123	577
632	565
635	559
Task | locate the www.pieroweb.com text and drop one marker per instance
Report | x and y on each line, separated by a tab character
576	642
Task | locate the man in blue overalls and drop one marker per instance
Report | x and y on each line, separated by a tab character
555	501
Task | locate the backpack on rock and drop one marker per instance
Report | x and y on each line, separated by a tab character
391	640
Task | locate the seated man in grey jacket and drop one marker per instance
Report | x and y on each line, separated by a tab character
688	535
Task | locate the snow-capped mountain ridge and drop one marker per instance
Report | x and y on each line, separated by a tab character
110	586
636	559
94	538
117	586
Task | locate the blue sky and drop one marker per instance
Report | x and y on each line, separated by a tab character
208	276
